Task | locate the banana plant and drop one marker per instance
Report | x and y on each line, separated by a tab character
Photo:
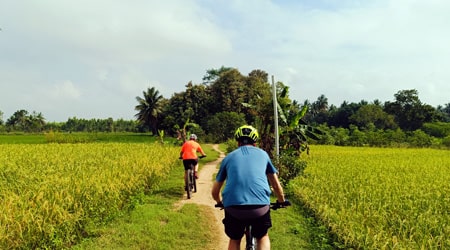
181	133
295	131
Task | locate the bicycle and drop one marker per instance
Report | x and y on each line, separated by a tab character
250	241
191	182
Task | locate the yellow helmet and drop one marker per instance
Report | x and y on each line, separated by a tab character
246	131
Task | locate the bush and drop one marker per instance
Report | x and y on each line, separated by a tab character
446	141
437	129
231	145
418	138
289	167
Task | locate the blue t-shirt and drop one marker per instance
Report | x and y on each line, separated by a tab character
245	171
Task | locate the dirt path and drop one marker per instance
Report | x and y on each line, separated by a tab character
203	197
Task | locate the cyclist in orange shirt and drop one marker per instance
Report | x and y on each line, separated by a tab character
189	155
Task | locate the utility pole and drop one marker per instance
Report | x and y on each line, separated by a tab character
275	117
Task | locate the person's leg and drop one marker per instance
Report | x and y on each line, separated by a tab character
260	230
234	229
234	244
263	243
195	171
196	168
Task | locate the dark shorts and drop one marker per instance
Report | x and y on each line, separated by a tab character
187	163
235	227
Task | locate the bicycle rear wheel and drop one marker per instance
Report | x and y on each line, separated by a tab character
189	183
194	183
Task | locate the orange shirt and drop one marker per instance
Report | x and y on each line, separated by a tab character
190	149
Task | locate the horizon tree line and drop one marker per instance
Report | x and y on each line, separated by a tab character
226	98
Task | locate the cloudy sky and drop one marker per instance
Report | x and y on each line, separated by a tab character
91	58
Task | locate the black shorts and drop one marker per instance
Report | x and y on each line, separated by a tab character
234	227
187	163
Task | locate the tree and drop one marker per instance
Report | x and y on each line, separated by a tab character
318	111
373	114
321	105
36	122
409	111
149	109
213	74
445	112
222	125
18	121
228	91
1	118
197	98
340	117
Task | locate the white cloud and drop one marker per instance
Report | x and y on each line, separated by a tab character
109	51
65	90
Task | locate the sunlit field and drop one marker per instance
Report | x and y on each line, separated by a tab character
374	198
51	193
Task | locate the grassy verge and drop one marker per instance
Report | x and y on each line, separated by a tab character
158	224
80	137
294	228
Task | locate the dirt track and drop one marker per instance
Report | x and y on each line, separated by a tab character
203	197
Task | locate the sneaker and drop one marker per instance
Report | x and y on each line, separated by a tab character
196	175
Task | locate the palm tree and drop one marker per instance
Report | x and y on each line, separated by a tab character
321	105
149	109
37	121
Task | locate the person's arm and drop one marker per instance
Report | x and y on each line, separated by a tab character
277	188
182	151
215	192
199	149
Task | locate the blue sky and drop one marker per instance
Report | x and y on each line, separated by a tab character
90	59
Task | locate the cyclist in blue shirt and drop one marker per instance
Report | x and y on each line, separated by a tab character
248	171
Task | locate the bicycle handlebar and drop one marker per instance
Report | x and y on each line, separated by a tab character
201	156
277	204
273	205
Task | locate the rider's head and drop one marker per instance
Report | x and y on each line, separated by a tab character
246	135
193	137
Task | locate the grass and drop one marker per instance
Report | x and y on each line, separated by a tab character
79	137
22	138
157	224
296	228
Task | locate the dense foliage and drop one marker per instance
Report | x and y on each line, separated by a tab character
226	98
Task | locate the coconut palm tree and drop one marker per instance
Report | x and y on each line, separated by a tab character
149	109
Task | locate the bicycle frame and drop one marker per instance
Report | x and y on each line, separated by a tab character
250	241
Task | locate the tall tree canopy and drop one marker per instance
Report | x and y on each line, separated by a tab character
409	111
